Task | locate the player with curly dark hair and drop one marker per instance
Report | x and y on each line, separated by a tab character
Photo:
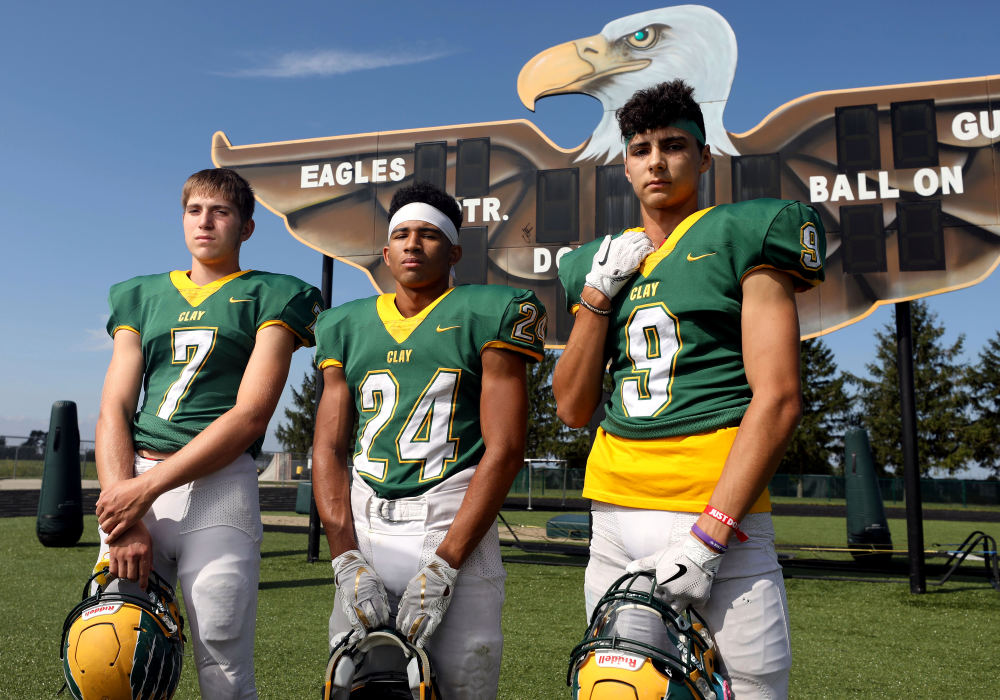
430	195
693	313
660	105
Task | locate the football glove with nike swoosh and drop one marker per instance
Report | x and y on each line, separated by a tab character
684	572
616	261
361	592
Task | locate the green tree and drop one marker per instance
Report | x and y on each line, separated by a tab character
984	386
36	440
547	436
297	434
940	393
818	440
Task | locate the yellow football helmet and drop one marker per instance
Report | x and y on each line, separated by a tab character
382	665
638	648
122	642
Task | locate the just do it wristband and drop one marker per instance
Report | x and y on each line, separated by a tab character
730	522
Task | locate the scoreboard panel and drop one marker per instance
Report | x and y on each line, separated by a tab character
905	179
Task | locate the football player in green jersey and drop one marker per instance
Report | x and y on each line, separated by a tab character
210	347
694	315
436	377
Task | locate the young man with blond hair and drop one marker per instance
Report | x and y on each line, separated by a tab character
210	347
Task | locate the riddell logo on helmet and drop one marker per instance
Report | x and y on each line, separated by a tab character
106	609
606	659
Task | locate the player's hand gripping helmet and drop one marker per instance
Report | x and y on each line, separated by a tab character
381	665
638	648
122	642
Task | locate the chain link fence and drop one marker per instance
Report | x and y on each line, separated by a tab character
20	458
956	491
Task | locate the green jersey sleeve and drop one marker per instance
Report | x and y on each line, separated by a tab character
126	305
330	340
573	269
522	326
296	309
793	241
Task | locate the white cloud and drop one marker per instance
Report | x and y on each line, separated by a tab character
97	339
322	63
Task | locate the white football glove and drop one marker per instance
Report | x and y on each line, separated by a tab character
425	601
616	261
684	572
361	592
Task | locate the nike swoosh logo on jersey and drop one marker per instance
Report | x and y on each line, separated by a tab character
692	258
448	328
237	301
681	570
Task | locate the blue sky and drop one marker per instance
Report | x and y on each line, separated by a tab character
109	107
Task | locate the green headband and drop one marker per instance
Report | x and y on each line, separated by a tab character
687	125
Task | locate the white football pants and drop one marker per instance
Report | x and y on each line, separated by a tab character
207	534
398	538
747	611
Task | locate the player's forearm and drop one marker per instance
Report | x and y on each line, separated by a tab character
760	443
332	491
576	381
113	449
487	491
218	445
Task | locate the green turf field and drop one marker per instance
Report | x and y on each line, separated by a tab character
850	640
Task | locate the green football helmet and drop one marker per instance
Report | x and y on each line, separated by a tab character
123	643
678	663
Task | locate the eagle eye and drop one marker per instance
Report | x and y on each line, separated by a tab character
642	39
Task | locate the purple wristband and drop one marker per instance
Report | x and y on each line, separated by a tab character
704	537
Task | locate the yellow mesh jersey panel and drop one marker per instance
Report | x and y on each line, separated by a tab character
671	473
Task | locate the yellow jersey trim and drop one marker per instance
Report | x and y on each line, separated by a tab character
299	340
396	325
330	363
799	283
654	258
510	346
195	294
123	327
672	473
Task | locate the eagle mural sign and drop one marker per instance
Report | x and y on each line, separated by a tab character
905	177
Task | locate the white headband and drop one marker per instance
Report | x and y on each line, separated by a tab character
418	211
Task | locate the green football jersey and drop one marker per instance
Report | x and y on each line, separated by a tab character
675	342
196	342
417	381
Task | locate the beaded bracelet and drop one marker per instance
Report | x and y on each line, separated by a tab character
728	521
708	539
594	309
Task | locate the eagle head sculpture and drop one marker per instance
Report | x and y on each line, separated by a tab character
690	42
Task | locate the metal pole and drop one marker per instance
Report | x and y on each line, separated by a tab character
528	462
326	289
911	471
565	467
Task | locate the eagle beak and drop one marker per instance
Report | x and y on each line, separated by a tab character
570	67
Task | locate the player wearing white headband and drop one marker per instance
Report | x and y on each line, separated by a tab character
436	378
